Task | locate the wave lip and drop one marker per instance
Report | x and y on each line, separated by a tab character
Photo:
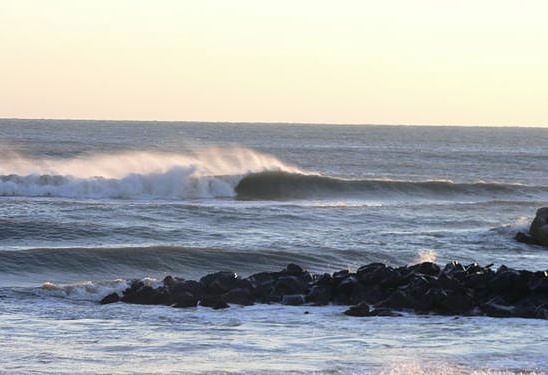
279	185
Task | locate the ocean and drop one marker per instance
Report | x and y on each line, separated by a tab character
87	206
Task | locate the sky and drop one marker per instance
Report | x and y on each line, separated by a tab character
423	62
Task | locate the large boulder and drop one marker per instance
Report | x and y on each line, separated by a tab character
539	227
538	232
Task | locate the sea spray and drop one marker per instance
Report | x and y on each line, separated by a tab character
205	173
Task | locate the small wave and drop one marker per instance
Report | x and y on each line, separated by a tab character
66	265
287	185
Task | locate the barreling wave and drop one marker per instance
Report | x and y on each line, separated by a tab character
287	185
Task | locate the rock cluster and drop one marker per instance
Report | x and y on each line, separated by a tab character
374	289
538	232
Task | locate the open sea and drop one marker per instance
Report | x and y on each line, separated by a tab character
87	206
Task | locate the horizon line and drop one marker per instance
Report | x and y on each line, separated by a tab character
272	123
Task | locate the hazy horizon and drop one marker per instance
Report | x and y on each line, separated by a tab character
265	122
360	62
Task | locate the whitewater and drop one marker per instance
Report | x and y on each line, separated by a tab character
88	206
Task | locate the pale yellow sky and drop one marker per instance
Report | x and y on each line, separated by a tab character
387	62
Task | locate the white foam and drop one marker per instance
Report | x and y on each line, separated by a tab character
427	255
207	173
85	291
416	368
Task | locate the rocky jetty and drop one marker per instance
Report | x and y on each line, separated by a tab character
538	232
373	290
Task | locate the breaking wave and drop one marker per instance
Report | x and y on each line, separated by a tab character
230	172
207	173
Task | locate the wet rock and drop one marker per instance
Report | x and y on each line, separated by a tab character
538	283
262	285
539	227
361	309
498	308
293	300
541	312
294	269
238	296
398	299
369	294
142	294
454	289
170	281
425	268
215	302
220	282
455	270
525	238
184	299
195	288
456	304
319	295
111	298
290	285
478	281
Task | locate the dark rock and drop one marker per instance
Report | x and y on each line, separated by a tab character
425	268
220	282
539	227
525	238
378	273
455	290
509	282
456	304
323	280
238	296
184	299
111	298
431	300
293	299
419	285
541	312
478	281
361	309
290	285
398	299
319	295
262	285
539	282
294	269
498	308
448	283
195	288
369	294
455	270
215	302
139	293
346	285
170	281
339	275
384	312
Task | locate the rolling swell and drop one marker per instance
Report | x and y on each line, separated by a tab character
284	185
28	267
